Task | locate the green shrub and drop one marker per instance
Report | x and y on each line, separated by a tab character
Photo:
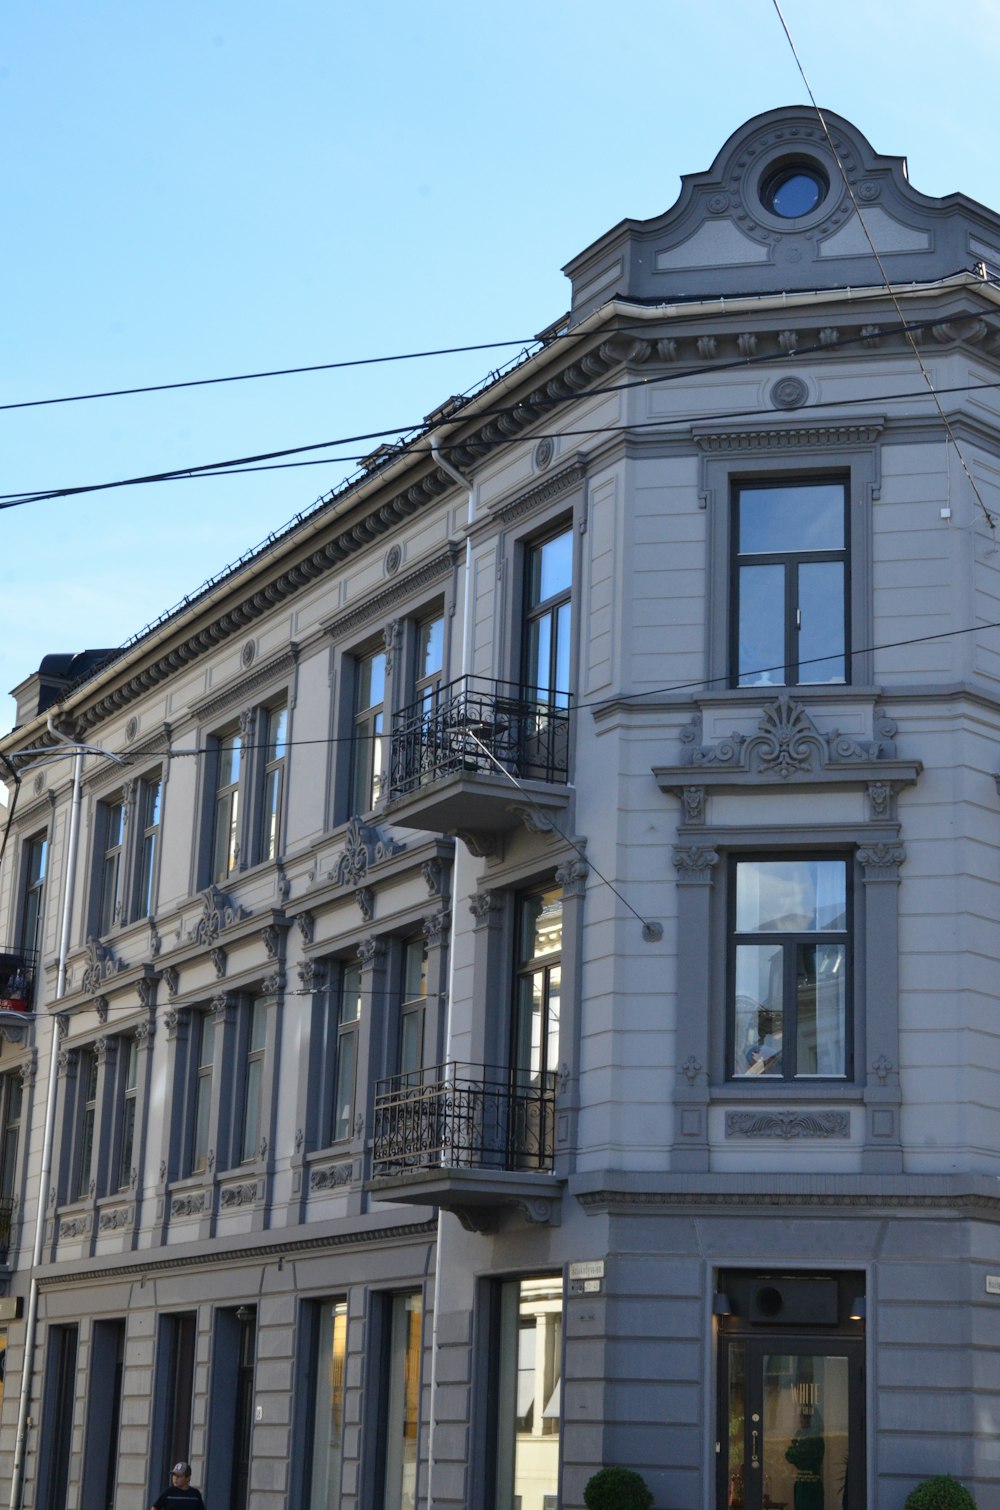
617	1489
941	1493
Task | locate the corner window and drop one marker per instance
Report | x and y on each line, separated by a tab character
549	585
790	619
226	809
790	968
369	728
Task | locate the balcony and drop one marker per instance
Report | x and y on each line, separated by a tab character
17	980
467	1138
479	757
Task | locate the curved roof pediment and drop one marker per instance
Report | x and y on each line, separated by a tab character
784	207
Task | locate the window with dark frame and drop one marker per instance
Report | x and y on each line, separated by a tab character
344	1046
548	609
790	583
273	786
129	1052
32	914
413	1009
535	1054
11	1105
226	808
201	1105
113	824
86	1115
329	1395
429	663
253	1081
790	967
369	728
150	792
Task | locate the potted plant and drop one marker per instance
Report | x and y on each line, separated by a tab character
940	1493
617	1489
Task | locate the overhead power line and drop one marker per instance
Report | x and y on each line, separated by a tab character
242	464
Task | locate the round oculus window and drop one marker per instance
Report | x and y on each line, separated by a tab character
794	190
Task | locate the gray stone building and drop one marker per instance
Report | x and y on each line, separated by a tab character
512	965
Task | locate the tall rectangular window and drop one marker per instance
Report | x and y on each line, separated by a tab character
275	750
202	1103
413	1008
150	792
528	1398
429	662
174	1396
86	1112
538	987
226	812
32	913
129	1094
547	625
345	1051
790	583
253	1084
401	1406
790	968
369	728
11	1102
111	866
326	1456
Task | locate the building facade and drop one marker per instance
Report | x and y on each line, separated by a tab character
512	965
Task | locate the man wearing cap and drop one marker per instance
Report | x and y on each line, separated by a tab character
180	1495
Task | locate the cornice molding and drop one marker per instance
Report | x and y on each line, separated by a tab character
231	1256
248	685
377	606
535	498
813	436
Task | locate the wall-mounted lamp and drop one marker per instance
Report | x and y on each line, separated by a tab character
858	1308
246	1313
721	1304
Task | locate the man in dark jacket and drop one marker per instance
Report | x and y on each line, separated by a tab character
180	1495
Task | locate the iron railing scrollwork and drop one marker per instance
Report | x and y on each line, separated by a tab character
462	1116
476	725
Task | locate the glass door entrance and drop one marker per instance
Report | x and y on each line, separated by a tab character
793	1408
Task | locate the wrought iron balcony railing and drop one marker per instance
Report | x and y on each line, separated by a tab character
17	980
476	725
463	1116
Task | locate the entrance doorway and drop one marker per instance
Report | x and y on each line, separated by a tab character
791	1395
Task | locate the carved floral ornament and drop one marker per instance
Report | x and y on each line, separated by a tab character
788	750
364	846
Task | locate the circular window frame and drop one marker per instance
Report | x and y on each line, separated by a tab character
780	159
780	174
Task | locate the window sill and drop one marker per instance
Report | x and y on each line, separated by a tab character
769	1089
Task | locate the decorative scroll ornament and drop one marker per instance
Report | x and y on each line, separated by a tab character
306	924
102	964
219	911
365	898
433	874
312	975
270	937
173	980
485	905
219	961
364	846
788	744
787	1124
436	927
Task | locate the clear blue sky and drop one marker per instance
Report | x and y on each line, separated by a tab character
198	189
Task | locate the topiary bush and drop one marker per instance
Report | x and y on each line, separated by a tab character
617	1489
940	1493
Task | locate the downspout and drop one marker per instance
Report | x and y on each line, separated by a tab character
45	1178
465	483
